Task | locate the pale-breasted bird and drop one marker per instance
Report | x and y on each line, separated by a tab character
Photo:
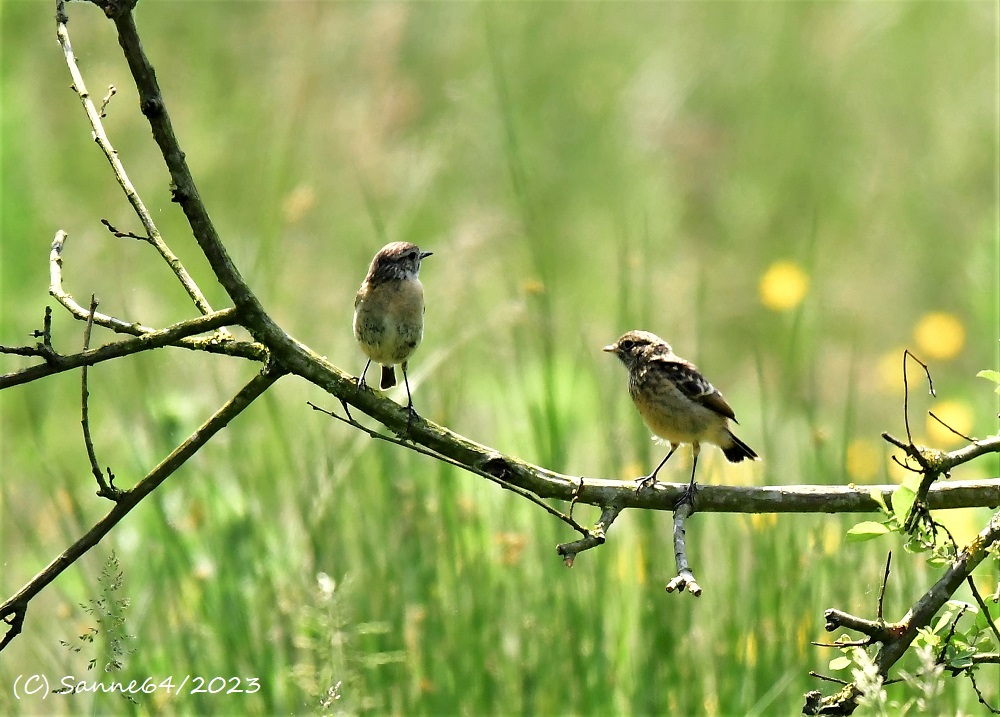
676	402
389	312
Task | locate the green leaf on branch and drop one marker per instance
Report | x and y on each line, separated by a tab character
866	530
902	501
840	663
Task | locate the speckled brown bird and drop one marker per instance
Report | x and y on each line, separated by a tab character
677	403
389	312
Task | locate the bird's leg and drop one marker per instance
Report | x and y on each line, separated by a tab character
361	378
688	496
650	480
410	412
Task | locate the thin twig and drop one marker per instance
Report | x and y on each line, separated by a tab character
951	634
952	543
881	592
843	643
105	488
123	235
23	350
46	335
452	462
957	433
101	137
42	349
984	607
901	464
576	497
906	391
107	100
979	694
818	676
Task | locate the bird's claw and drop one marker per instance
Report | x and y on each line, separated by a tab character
687	497
644	483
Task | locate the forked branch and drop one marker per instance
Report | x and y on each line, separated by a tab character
101	137
894	639
13	609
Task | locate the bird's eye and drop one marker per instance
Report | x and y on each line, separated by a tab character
628	345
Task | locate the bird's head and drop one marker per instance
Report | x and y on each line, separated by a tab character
634	346
398	260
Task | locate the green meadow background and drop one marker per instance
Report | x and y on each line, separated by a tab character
790	193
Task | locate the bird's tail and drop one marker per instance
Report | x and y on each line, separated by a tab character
389	378
738	450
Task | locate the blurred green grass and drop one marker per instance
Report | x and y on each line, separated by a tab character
578	170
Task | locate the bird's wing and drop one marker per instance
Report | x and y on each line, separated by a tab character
693	385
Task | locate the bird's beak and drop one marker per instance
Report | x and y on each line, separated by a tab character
610	348
425	254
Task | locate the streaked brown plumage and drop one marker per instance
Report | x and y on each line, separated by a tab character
677	403
389	311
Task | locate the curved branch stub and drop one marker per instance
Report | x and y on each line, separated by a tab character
591	539
13	616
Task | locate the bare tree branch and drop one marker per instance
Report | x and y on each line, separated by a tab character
176	335
685	577
105	488
957	433
983	606
101	137
906	390
13	609
591	538
43	348
896	638
876	630
184	190
880	612
444	459
69	303
932	463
